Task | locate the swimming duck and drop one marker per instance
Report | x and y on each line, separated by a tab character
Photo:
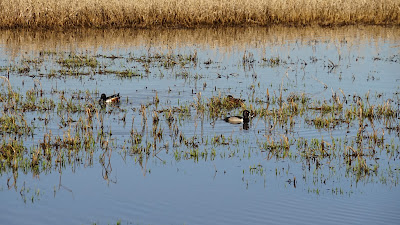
239	119
110	99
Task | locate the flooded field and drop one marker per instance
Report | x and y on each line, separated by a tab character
322	142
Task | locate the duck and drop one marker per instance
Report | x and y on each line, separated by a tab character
239	119
235	100
110	99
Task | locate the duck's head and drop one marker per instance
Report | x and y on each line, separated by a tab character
103	97
246	114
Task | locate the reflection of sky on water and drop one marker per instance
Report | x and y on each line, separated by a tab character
220	191
362	59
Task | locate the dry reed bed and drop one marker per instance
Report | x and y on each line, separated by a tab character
194	13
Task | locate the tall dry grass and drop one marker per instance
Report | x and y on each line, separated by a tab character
194	13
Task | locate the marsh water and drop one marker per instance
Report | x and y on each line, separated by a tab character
164	154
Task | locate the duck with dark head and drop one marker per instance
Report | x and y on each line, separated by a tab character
110	99
239	119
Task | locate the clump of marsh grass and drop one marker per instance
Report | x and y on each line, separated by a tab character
11	151
74	61
15	124
192	13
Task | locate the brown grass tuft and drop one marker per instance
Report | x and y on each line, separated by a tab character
194	13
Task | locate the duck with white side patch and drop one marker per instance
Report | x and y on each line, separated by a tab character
110	99
239	119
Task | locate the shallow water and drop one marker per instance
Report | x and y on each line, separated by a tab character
233	179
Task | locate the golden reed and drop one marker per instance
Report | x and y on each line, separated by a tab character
194	13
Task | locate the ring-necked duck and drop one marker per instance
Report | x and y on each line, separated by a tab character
239	119
110	99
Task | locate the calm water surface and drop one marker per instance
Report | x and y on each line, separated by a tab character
234	178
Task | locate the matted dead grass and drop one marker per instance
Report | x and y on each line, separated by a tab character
194	13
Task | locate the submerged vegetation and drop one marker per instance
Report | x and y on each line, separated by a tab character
190	13
46	129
